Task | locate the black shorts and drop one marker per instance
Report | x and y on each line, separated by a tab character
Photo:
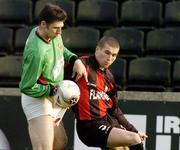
95	132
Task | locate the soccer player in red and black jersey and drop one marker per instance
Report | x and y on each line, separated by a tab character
100	122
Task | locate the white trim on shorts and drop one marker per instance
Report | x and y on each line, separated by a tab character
35	107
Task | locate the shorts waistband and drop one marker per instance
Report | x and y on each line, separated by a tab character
92	120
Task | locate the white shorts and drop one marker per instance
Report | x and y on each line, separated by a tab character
35	107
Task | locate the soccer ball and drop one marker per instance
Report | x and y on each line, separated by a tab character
68	94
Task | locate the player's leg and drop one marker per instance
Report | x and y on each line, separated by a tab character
101	134
60	137
119	148
119	137
116	148
40	121
41	131
137	147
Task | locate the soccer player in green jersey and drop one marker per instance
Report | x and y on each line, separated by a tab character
43	69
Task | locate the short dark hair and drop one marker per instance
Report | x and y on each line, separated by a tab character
108	40
51	13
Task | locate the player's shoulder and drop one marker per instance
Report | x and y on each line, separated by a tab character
85	59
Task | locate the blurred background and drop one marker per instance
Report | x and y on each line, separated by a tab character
147	70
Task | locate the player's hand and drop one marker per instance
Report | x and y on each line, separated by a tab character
79	70
142	135
51	98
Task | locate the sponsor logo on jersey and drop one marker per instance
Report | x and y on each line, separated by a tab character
98	95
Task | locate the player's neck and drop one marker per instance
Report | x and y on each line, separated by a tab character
42	35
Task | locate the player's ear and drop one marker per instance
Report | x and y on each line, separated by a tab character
97	48
43	24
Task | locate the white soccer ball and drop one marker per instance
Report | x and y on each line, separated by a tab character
68	94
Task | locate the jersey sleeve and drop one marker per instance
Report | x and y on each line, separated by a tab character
68	55
119	115
32	67
115	111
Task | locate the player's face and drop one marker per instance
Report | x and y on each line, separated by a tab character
54	29
106	55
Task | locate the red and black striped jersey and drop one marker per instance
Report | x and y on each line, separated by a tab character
98	96
94	100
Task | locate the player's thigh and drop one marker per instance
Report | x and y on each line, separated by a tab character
41	130
60	137
120	148
119	137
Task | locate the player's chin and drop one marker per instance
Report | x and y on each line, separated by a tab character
53	37
106	66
